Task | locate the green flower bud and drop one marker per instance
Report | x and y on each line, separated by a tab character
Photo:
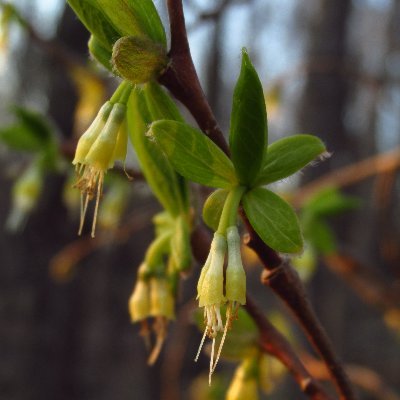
138	59
235	275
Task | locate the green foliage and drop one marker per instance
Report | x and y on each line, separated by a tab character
193	154
327	202
287	156
248	133
135	18
96	21
274	220
100	53
159	173
330	201
213	207
108	20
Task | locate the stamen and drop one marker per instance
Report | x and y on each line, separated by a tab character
98	195
211	362
227	323
83	213
201	344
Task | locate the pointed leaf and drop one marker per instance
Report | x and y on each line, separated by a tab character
135	18
193	154
286	156
248	133
212	208
159	173
274	220
96	21
161	106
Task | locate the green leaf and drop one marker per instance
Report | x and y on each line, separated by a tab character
31	133
96	21
159	173
321	236
100	53
330	201
248	133
274	220
288	155
161	106
212	208
193	154
135	18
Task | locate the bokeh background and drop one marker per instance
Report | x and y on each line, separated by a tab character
330	68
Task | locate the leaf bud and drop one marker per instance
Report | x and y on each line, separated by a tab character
138	59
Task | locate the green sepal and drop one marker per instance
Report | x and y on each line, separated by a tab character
92	15
135	18
287	156
159	173
193	154
274	220
213	207
248	132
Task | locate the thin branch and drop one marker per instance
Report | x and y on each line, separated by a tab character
274	343
367	283
182	80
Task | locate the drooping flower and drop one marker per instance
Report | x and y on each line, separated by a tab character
99	147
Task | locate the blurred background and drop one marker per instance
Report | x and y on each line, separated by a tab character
329	68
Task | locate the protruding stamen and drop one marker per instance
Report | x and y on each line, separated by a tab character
201	344
211	361
227	323
98	195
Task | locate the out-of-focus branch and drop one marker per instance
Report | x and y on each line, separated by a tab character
367	283
378	164
62	265
366	379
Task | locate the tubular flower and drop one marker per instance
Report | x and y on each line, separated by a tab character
210	289
99	147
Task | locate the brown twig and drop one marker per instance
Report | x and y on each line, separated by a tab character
181	79
272	342
367	283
